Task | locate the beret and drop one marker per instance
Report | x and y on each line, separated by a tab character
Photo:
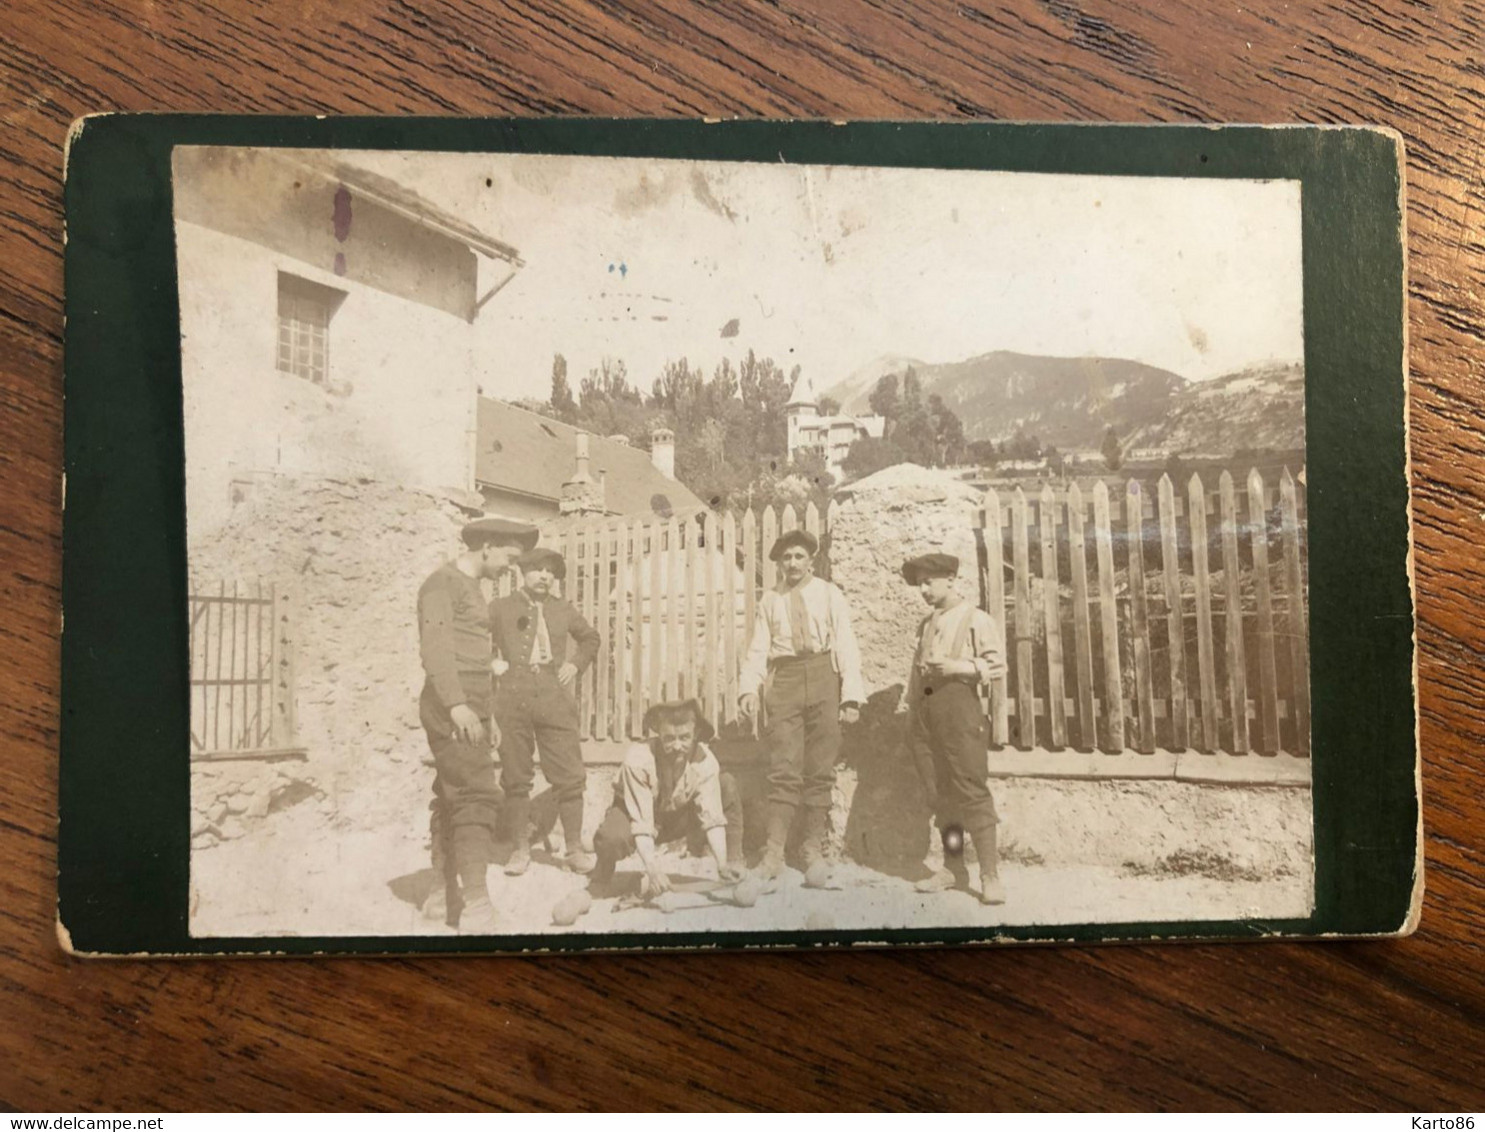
704	729
544	558
491	529
799	537
936	565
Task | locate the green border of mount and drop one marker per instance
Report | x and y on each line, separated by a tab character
124	838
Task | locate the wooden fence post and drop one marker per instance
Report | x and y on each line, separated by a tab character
708	685
1175	627
1052	620
1268	679
1082	627
1025	682
995	602
1237	662
673	662
1113	679
639	638
728	551
1299	640
689	681
1196	501
765	548
1144	688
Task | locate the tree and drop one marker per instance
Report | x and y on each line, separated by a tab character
883	398
985	453
870	454
563	404
912	392
829	407
1112	456
948	432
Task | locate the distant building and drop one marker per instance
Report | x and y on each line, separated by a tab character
536	469
327	321
831	436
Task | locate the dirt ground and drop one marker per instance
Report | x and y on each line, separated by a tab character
358	865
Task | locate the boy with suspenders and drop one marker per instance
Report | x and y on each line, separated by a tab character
960	652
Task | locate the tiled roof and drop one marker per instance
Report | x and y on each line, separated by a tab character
534	455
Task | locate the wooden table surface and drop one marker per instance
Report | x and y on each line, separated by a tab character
1385	1024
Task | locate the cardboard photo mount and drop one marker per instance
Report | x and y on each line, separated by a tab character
124	833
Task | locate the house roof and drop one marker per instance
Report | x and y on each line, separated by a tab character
803	392
533	455
400	199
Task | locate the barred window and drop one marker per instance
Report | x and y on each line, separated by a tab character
304	313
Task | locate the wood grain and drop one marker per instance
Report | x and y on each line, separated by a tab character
1388	1024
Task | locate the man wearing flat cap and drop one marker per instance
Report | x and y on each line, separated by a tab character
455	710
536	703
960	652
803	661
669	787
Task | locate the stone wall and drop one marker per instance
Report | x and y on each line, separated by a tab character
354	554
881	818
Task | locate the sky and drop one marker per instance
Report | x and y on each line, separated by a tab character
831	268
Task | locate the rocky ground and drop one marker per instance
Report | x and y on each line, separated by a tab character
363	870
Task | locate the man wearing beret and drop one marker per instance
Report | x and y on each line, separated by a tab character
454	643
536	703
804	661
960	652
671	787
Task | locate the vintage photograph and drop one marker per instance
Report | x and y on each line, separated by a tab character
633	545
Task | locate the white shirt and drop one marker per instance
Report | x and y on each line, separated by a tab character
699	783
829	631
964	631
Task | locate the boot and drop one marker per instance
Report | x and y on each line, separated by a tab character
992	889
812	849
953	873
471	854
780	821
518	823
435	907
736	859
950	875
478	916
578	859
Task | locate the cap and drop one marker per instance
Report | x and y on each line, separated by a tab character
544	558
704	729
935	565
490	529
799	537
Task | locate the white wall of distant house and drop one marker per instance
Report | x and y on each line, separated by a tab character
407	415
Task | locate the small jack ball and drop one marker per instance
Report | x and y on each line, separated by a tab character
953	840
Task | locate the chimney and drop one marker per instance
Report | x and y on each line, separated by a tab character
581	494
662	451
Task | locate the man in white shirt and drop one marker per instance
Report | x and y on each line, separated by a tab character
804	663
959	652
671	787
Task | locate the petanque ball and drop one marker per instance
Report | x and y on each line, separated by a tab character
745	895
570	907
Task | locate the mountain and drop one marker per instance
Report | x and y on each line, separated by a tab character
1262	406
1068	402
1071	402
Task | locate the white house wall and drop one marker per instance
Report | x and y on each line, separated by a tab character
405	411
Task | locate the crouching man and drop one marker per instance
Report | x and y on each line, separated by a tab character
959	652
669	788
